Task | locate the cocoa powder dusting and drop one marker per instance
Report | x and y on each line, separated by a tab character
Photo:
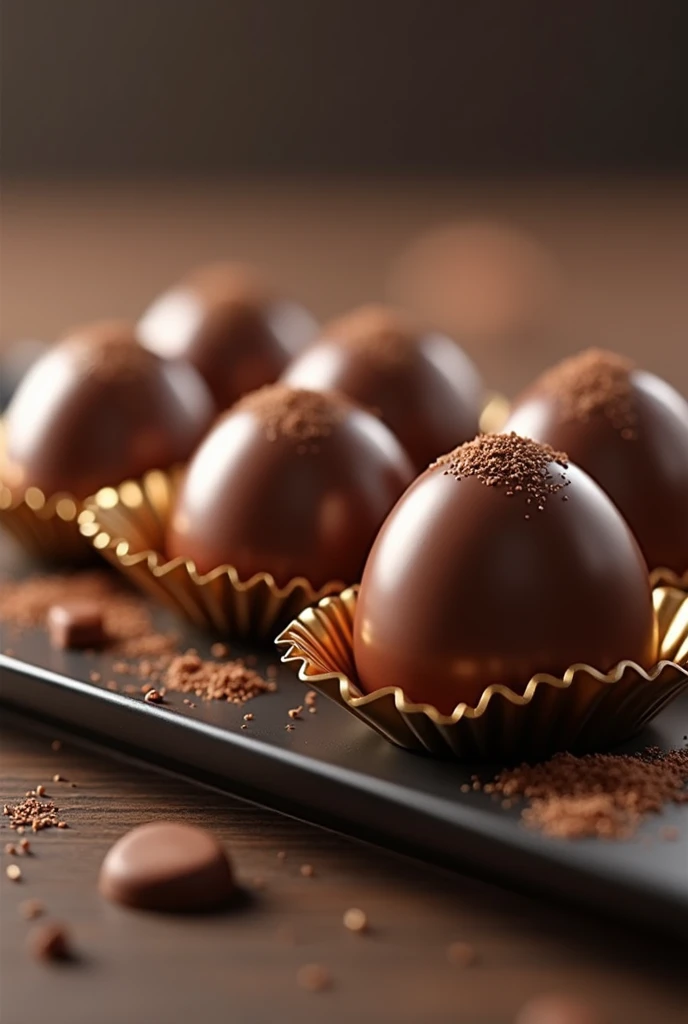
591	383
384	336
232	681
295	415
518	465
597	795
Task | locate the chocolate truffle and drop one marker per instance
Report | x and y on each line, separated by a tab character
293	483
501	561
224	320
169	866
629	430
98	409
418	382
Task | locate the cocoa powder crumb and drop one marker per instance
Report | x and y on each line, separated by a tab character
40	790
307	870
13	872
219	650
95	677
24	844
153	697
355	920
295	712
56	745
11	849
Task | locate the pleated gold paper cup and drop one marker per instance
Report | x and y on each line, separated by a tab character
127	525
46	526
585	709
669	578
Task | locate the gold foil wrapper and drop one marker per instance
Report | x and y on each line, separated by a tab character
585	709
127	525
669	578
46	526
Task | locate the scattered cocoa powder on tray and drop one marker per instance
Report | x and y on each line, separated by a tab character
595	795
232	681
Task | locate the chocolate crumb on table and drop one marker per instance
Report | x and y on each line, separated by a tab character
355	920
31	813
49	942
31	909
13	872
76	624
461	954
307	870
314	978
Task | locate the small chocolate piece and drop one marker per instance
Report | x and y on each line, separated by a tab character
225	321
167	866
314	978
629	430
49	942
419	382
501	561
555	1009
98	409
293	483
76	624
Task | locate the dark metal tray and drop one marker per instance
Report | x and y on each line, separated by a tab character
334	771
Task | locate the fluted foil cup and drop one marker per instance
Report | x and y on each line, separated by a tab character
46	526
127	525
669	578
583	710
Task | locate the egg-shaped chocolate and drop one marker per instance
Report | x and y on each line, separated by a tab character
419	382
501	561
629	430
288	482
98	408
225	320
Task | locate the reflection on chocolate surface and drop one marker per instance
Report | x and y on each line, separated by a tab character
419	382
289	482
225	321
502	560
97	409
629	430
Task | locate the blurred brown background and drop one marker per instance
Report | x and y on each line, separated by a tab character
316	139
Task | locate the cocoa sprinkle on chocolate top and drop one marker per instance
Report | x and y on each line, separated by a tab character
591	383
518	465
384	336
231	680
603	795
293	414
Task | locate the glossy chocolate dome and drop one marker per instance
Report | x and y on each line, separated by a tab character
97	409
501	561
224	320
419	382
293	483
629	430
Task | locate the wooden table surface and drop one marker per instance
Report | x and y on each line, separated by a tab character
70	254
